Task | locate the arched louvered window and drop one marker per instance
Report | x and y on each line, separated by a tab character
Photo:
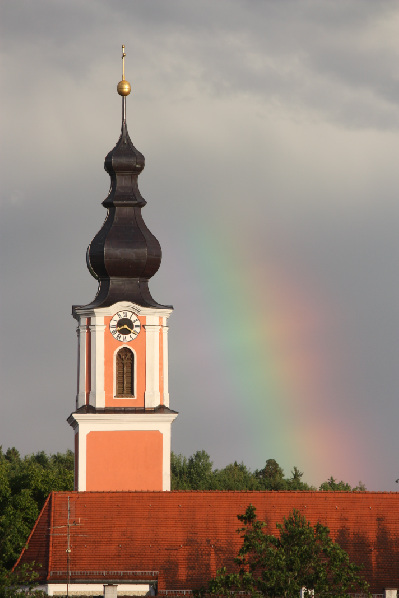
124	373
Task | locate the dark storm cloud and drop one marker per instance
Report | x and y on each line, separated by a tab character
335	59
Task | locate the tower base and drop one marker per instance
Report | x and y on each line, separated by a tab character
122	450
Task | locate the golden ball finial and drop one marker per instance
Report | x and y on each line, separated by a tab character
124	88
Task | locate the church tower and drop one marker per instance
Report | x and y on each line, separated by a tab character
122	422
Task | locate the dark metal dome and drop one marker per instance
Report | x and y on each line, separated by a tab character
124	254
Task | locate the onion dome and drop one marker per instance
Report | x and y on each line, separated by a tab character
124	254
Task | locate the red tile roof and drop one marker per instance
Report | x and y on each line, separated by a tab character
182	538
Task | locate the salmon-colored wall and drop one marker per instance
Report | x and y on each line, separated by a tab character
124	460
110	346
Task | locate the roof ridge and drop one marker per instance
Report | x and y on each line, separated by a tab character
256	492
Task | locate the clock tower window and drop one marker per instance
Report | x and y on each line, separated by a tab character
125	373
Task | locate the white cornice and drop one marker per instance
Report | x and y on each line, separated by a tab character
120	419
124	305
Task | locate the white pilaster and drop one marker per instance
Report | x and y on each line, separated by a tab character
97	392
165	331
152	394
82	348
81	433
82	461
166	459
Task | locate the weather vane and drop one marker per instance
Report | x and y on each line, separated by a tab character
123	61
123	86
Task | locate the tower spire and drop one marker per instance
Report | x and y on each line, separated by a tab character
124	254
122	421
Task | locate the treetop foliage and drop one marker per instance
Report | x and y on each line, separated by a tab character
25	483
197	473
280	566
11	582
332	485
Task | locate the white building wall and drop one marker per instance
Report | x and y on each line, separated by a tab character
95	589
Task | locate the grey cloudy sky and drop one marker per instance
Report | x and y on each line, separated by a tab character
270	131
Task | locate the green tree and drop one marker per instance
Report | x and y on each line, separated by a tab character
235	476
199	471
179	472
194	473
25	484
301	556
295	481
332	485
25	576
271	477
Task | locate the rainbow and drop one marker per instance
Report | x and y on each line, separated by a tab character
271	326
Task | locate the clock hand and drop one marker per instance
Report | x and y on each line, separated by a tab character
124	326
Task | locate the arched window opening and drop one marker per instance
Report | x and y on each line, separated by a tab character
124	373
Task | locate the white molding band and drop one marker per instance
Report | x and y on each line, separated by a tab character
119	420
123	305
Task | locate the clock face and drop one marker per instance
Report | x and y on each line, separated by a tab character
125	326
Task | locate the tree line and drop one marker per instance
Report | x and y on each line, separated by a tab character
197	473
25	483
